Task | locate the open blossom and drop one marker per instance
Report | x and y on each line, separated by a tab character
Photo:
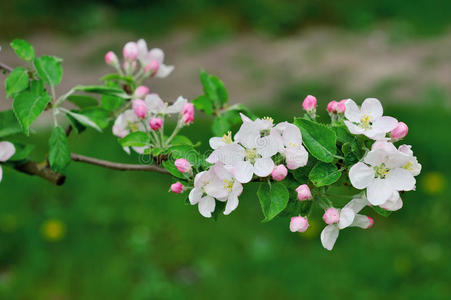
368	119
298	224
177	188
252	153
126	123
338	219
289	140
153	60
304	192
182	165
7	150
412	164
384	170
309	103
279	173
157	106
217	183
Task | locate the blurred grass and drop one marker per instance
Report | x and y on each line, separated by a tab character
408	18
123	236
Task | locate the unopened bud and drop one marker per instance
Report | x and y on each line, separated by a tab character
111	59
279	173
177	188
309	103
400	131
299	224
303	192
332	106
141	91
341	106
130	51
152	67
140	108
156	123
182	165
331	216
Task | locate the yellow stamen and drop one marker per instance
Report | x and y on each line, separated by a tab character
228	185
381	171
227	138
365	122
268	119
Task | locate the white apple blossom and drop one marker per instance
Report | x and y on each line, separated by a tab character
255	144
393	203
291	145
206	203
348	217
7	150
412	165
382	173
126	123
156	54
368	119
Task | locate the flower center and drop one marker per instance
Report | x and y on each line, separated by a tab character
365	122
132	126
228	185
381	171
408	166
227	138
251	155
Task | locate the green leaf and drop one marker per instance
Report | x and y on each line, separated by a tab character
204	104
187	152
23	49
225	122
28	106
381	211
135	139
59	154
181	140
214	89
111	103
22	151
84	120
324	174
16	82
98	115
8	123
116	77
49	69
100	89
273	199
169	165
343	134
83	101
75	124
319	140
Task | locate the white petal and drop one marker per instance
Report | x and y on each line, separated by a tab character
263	167
384	124
213	157
248	135
393	203
379	190
296	157
357	204
292	134
354	129
154	103
216	142
1	173
7	150
361	175
372	107
376	157
243	171
346	217
361	221
221	172
401	179
127	150
177	107
267	146
232	204
329	236
195	195
245	118
142	50
230	154
157	54
206	206
164	71
352	112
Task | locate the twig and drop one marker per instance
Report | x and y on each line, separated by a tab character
5	68
41	170
117	166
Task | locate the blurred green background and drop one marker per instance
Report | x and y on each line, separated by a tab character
121	235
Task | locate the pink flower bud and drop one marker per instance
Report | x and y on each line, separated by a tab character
182	165
188	109
130	51
332	215
341	106
279	173
188	118
400	131
177	188
111	59
309	103
141	91
156	123
332	106
299	224
140	108
303	192
371	222
152	67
